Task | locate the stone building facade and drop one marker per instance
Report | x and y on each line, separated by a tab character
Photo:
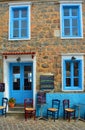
45	39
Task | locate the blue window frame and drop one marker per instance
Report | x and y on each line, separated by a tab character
19	22
71	21
72	75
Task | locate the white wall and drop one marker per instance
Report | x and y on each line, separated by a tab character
12	59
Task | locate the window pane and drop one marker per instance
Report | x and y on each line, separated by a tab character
24	13
68	68
76	64
23	24
16	69
16	13
66	31
74	12
74	22
23	32
76	82
16	78
66	12
16	33
76	72
75	31
76	69
68	82
66	22
16	24
27	77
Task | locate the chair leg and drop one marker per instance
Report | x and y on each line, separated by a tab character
4	112
26	115
54	116
34	114
57	114
69	114
74	115
64	116
47	114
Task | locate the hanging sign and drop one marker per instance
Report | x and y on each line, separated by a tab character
2	87
46	82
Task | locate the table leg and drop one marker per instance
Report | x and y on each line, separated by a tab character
78	112
41	113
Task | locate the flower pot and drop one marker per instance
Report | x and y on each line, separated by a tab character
11	104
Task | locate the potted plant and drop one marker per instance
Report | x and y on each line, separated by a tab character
12	102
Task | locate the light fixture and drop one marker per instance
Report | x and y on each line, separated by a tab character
73	58
18	59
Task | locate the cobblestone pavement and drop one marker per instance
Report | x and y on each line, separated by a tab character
19	123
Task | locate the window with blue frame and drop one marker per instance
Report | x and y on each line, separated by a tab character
72	75
19	22
71	20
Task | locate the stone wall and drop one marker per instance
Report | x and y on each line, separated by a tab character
1	69
45	38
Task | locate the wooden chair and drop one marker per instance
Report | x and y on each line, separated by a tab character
67	111
28	107
54	111
3	108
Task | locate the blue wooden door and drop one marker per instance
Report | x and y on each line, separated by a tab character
21	81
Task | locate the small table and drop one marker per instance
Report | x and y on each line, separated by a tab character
79	105
41	111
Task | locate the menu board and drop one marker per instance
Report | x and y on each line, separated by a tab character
47	82
41	97
2	87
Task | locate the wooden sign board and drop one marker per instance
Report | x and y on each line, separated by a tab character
47	82
41	98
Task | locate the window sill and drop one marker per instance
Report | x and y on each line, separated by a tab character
73	90
71	37
19	39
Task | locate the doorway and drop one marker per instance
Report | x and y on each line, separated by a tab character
21	81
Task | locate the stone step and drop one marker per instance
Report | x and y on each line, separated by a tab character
17	110
15	113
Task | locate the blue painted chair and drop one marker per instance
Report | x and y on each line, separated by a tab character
3	108
67	110
54	111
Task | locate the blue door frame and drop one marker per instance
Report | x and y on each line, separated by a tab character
21	81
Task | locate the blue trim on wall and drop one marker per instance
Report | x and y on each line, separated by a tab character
74	98
1	95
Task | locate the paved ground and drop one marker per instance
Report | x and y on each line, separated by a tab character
19	123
